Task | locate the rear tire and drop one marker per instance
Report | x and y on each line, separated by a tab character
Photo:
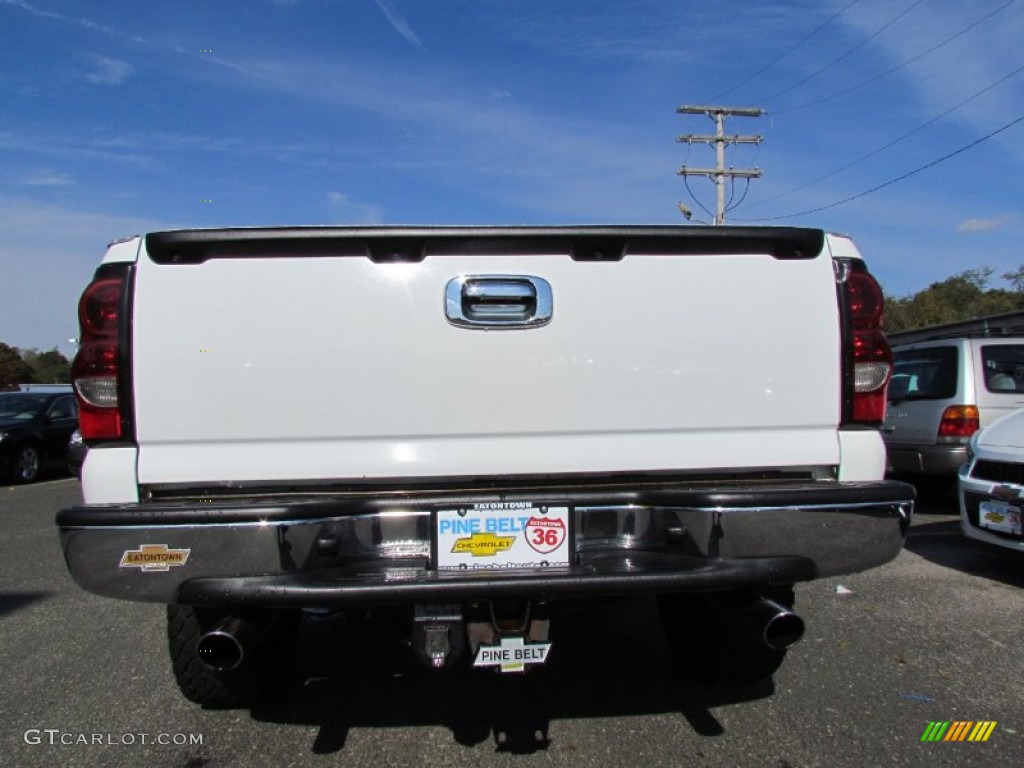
712	645
239	687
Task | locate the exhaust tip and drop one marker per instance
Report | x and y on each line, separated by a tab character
782	630
220	650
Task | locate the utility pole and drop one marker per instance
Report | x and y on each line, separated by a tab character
719	173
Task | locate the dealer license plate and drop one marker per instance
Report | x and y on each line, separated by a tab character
1000	516
502	536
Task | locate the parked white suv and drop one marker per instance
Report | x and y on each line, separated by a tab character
992	485
942	392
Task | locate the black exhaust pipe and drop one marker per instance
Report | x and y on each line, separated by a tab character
225	647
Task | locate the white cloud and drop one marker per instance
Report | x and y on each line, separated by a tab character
110	72
27	226
545	164
643	30
49	253
48	178
76	146
115	68
985	225
399	23
959	70
348	211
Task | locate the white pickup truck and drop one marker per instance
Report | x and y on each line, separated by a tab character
470	428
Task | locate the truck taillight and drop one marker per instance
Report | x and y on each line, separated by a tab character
872	362
872	357
95	371
958	423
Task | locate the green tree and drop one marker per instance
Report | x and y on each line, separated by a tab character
965	296
13	370
1016	279
49	367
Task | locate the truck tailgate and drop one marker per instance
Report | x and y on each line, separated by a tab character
278	361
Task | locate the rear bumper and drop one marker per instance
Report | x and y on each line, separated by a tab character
974	492
330	552
926	459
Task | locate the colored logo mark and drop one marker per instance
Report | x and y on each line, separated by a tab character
483	544
154	557
958	730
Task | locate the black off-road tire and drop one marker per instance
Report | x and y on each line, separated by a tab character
260	669
712	645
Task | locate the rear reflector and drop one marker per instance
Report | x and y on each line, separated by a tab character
868	377
98	391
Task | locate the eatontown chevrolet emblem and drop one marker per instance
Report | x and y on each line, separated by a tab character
154	557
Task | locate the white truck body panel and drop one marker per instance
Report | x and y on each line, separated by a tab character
469	430
108	476
862	456
281	368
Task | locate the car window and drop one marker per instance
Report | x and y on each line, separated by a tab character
924	374
1004	367
63	409
21	406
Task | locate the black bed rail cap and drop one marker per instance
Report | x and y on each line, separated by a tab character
414	243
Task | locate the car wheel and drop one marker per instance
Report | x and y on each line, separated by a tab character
713	645
27	462
261	666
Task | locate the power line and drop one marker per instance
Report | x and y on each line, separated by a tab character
845	55
892	143
743	197
777	59
890	182
686	181
898	67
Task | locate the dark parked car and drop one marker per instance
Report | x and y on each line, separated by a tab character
34	431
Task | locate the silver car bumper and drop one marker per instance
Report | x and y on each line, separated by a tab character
335	552
976	494
938	459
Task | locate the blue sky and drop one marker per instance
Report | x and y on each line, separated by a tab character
120	118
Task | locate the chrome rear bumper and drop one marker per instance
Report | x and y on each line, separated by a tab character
335	552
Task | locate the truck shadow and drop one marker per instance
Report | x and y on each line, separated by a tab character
15	601
935	496
944	544
355	673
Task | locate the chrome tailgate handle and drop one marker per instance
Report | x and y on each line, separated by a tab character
498	301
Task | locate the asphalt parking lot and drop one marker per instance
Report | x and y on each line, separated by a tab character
933	636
